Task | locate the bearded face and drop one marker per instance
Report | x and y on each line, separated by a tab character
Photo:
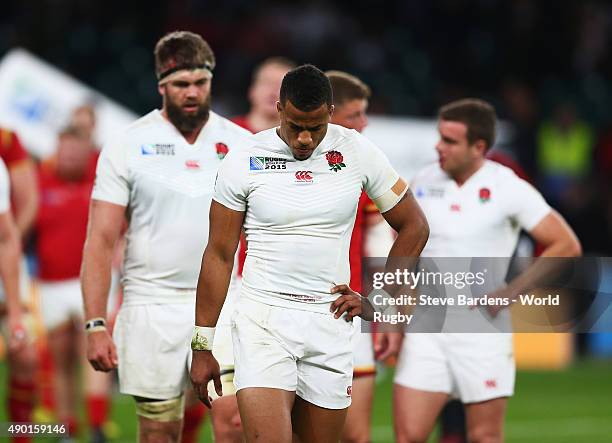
187	116
187	100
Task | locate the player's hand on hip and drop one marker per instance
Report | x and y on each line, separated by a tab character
387	344
101	351
351	303
204	367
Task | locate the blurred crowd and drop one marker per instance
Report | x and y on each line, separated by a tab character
544	66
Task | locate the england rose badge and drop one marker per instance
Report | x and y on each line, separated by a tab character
335	160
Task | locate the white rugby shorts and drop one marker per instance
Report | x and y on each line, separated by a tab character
25	284
154	349
305	352
470	367
60	301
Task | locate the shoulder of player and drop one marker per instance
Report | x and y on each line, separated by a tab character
339	136
145	122
131	137
144	125
348	142
267	143
429	173
46	168
226	132
6	138
500	175
224	124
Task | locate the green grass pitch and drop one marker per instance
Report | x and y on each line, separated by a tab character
573	405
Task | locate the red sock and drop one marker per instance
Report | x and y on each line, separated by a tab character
21	400
73	425
45	376
194	415
97	410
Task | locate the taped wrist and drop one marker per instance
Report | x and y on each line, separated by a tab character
202	339
95	325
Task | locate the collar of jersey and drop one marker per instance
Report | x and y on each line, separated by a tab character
471	179
205	130
315	153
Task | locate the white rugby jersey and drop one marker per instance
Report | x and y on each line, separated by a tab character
167	186
300	214
481	218
5	189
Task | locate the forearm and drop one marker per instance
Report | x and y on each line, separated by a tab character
545	269
404	255
406	249
411	240
10	256
96	277
213	283
25	196
25	215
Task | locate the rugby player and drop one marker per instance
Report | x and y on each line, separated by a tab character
22	360
296	192
159	174
476	208
65	182
263	94
10	257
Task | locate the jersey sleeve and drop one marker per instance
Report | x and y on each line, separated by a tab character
232	183
378	174
5	190
527	206
11	149
112	184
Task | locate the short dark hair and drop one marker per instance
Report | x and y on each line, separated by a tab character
347	87
306	87
478	115
182	50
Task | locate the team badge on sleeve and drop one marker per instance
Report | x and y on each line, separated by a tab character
335	161
222	150
484	194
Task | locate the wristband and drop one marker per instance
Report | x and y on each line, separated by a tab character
202	339
95	325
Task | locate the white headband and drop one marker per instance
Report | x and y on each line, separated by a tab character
176	74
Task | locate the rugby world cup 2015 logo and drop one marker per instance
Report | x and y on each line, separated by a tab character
257	163
335	160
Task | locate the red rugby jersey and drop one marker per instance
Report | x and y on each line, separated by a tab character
11	150
61	223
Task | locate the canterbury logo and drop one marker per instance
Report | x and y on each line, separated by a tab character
492	383
303	176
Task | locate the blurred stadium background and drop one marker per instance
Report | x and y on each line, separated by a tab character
546	66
